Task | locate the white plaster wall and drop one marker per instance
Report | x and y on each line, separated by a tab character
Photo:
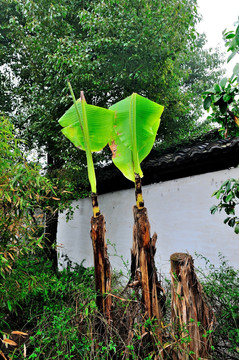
179	212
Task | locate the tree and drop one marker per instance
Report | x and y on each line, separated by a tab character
136	123
108	48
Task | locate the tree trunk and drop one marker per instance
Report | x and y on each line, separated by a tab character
51	221
50	233
191	316
101	263
143	270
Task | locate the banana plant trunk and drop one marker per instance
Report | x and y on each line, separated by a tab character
143	269
192	317
101	261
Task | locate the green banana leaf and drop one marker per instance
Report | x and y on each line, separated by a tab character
134	132
89	128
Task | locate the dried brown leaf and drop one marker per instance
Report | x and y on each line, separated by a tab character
9	342
19	333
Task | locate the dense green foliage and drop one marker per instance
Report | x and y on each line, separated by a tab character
221	286
108	49
59	314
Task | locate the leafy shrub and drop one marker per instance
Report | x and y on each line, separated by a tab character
221	286
228	196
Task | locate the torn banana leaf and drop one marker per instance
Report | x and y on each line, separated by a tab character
89	128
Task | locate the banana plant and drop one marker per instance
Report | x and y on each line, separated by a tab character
134	132
89	128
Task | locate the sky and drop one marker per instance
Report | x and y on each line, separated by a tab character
218	15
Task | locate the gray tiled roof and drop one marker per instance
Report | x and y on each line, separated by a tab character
197	159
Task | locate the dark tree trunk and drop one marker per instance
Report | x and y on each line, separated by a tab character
191	315
51	221
50	238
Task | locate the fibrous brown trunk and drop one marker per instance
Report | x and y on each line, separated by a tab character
143	270
101	263
192	317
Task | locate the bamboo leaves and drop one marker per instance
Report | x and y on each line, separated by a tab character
136	124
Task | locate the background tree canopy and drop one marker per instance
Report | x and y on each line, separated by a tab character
107	48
